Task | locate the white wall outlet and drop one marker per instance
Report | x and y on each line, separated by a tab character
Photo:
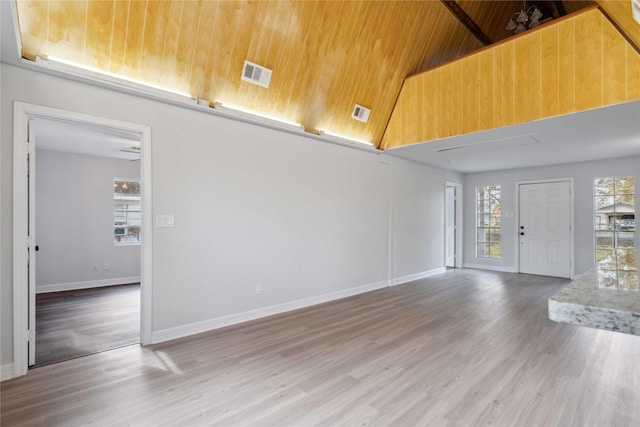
107	266
259	289
94	267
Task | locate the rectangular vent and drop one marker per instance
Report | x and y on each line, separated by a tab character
635	6
256	74
361	113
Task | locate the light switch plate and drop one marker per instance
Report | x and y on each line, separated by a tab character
164	221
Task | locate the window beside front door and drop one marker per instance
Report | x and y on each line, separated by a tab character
488	222
615	249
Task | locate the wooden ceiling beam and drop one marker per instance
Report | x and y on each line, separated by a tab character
466	20
555	13
559	6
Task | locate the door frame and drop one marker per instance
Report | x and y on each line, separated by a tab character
571	220
459	223
23	113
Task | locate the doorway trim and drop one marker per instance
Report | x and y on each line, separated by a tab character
571	219
23	113
459	262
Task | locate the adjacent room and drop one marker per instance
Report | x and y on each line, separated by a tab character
87	217
293	213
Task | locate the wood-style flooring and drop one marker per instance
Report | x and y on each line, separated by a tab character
465	348
76	323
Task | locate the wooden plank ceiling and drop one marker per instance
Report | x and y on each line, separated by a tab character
620	13
326	56
579	63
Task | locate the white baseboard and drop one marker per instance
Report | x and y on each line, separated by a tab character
491	267
72	286
221	322
6	372
418	276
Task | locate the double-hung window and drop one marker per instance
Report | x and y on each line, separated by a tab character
127	212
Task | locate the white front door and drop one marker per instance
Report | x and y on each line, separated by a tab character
544	228
450	227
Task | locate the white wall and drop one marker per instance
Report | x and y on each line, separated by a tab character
583	173
74	222
419	220
252	205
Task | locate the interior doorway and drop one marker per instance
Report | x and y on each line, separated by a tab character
27	120
88	219
453	225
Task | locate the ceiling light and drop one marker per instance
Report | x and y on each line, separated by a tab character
343	139
256	116
521	20
97	74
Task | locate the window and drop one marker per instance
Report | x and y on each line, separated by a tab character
126	212
615	212
488	222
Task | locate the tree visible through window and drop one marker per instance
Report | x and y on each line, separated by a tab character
127	212
615	212
488	222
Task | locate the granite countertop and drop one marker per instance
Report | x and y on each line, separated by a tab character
583	302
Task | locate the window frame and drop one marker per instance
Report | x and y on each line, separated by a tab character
611	277
490	229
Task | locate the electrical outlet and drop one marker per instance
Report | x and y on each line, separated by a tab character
259	289
107	266
94	267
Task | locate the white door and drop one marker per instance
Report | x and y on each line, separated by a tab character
450	227
545	228
31	245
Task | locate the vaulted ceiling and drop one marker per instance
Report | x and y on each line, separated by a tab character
326	56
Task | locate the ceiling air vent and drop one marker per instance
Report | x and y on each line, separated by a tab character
361	113
256	74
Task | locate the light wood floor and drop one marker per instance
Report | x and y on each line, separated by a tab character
76	323
464	348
